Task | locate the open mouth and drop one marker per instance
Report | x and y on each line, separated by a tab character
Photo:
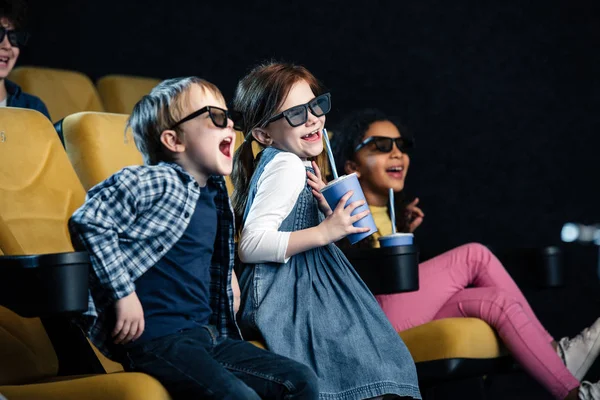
225	146
4	61
313	136
395	172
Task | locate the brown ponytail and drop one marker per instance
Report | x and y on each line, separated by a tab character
243	168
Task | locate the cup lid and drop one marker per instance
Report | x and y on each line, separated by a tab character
395	235
336	181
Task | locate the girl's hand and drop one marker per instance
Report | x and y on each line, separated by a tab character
315	181
415	215
130	319
338	224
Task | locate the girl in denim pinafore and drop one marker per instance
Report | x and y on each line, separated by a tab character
314	308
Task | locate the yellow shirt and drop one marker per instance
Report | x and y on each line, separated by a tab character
382	221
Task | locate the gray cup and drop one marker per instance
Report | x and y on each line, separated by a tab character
396	239
336	189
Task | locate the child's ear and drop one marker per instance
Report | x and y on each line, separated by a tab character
171	141
262	137
351	167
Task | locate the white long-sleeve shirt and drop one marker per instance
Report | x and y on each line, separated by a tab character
279	186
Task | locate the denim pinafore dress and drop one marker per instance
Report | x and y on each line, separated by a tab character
315	309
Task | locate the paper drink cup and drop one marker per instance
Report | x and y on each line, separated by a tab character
336	189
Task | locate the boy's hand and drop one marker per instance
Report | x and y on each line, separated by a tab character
415	215
315	181
338	224
130	319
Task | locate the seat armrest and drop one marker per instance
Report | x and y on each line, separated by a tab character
387	270
45	284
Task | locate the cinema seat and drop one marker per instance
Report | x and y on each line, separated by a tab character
453	349
39	191
64	92
119	93
98	146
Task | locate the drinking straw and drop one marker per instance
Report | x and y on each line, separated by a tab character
330	154
392	212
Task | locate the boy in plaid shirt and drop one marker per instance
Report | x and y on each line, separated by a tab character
160	237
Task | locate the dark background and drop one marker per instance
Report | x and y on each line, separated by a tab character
502	98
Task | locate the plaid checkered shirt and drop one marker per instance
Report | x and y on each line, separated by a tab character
129	222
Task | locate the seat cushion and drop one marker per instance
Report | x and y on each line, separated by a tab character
259	344
452	338
109	365
117	386
26	353
449	338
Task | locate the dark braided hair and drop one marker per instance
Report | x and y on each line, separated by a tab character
349	134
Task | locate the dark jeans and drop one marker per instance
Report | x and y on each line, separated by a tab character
198	364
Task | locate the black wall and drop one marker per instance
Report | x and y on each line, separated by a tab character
502	97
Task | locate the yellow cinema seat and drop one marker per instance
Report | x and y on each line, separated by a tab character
456	349
448	338
119	93
39	191
64	92
98	145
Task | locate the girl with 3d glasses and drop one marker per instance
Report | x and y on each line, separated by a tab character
299	292
467	281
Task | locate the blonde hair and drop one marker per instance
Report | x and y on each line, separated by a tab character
158	111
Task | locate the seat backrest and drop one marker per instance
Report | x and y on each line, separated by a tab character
119	93
63	92
39	189
98	145
38	192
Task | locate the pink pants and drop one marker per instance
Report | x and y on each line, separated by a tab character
493	297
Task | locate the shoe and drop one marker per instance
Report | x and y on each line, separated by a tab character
589	391
579	353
